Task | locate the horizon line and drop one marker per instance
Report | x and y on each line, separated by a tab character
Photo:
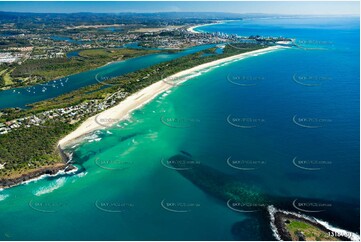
134	12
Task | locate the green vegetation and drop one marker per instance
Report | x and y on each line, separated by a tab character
30	148
42	70
6	78
310	232
210	50
36	145
13	42
131	82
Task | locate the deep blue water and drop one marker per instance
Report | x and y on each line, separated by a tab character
320	82
290	117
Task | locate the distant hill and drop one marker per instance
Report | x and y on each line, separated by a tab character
169	18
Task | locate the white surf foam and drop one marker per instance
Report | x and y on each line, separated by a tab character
80	175
3	197
58	183
272	210
91	137
352	236
94	140
61	172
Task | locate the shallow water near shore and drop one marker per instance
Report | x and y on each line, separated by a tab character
253	119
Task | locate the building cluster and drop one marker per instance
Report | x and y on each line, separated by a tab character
179	38
71	114
9	57
47	46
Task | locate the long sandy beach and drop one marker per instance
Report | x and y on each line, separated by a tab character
123	109
191	29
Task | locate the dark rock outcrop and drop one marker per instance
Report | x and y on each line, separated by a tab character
9	182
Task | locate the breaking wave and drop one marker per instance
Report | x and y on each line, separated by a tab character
3	197
272	210
58	183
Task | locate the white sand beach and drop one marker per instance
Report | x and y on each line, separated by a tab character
191	29
124	108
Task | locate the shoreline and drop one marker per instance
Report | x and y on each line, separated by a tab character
118	113
122	110
52	170
37	174
191	29
280	232
72	74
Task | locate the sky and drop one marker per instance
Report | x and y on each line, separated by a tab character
268	7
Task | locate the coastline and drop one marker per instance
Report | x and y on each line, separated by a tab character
36	174
280	232
122	110
116	114
72	74
52	170
191	29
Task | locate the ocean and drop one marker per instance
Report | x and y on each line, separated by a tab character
285	124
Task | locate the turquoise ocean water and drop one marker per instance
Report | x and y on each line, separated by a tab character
285	123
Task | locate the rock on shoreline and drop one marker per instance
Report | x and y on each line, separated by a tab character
48	170
280	218
10	182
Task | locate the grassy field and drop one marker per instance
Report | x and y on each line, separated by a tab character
309	231
2	71
7	78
